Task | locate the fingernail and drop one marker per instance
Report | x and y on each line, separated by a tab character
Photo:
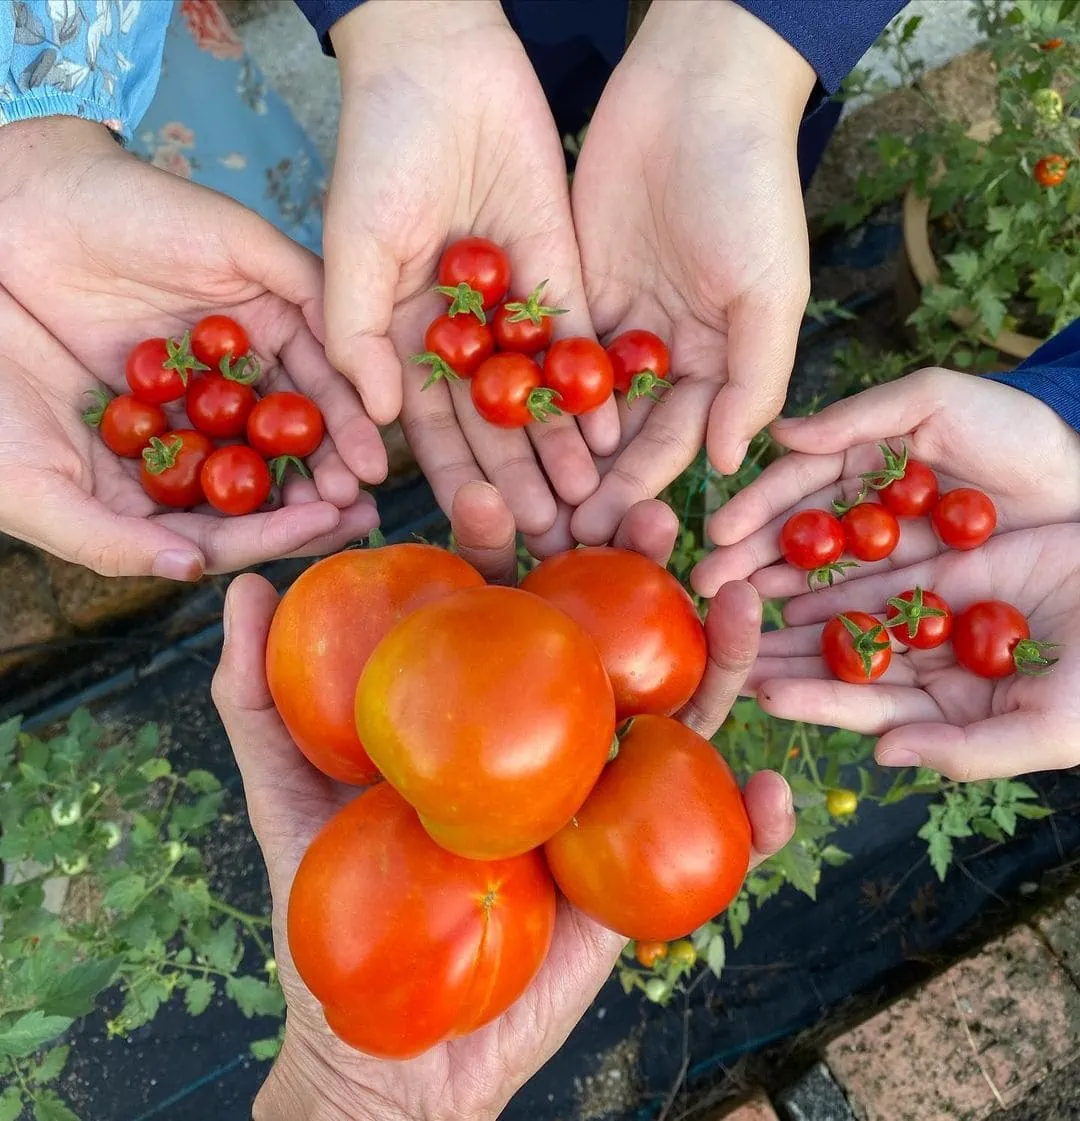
899	758
174	564
789	800
785	421
226	619
740	454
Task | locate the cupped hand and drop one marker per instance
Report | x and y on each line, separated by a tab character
445	132
927	710
471	1078
972	432
691	225
122	252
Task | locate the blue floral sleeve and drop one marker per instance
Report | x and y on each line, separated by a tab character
96	59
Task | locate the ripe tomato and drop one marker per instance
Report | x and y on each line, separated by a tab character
490	712
285	424
126	423
871	532
919	619
855	647
1051	44
235	480
580	372
217	339
992	639
219	405
507	391
171	467
158	369
455	347
405	944
964	518
662	844
905	486
525	326
1050	171
814	540
475	274
841	803
324	631
640	362
649	953
650	638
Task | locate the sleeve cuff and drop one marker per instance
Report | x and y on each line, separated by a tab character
323	14
1056	386
63	105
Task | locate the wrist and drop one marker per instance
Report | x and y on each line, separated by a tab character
44	144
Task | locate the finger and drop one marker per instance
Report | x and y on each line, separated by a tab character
484	532
556	539
1000	747
650	528
732	627
769	806
566	458
869	709
866	593
602	429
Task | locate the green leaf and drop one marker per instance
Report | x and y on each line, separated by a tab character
154	769
716	955
125	893
221	949
31	1031
1005	818
202	782
254	997
990	309
11	1104
52	1066
940	848
72	993
1033	813
198	995
266	1050
144	998
966	265
50	1108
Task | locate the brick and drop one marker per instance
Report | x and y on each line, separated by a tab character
89	601
1061	929
973	1039
28	612
756	1108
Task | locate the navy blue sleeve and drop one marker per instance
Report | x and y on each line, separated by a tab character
1052	374
323	14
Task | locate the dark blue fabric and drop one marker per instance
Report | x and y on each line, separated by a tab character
1052	374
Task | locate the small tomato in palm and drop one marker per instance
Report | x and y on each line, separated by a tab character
964	518
172	467
993	639
813	540
285	424
404	944
525	326
126	423
871	531
855	647
455	347
219	339
662	844
905	486
640	363
508	391
579	371
475	273
157	370
491	713
235	480
219	404
919	619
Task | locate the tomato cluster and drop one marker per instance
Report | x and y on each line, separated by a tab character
212	370
518	372
487	717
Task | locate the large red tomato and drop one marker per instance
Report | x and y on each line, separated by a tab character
491	713
644	624
326	626
662	843
405	944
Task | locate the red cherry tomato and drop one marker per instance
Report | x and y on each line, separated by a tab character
158	369
1050	171
475	274
855	647
455	347
217	338
905	486
171	468
579	371
286	424
508	391
235	480
126	423
640	362
919	619
992	639
219	405
525	326
814	540
649	953
871	532
964	518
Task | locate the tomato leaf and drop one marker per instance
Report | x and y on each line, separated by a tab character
716	954
198	994
11	1104
50	1108
266	1050
31	1031
52	1066
254	997
72	993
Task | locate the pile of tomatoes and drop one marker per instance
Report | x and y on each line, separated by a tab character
212	370
991	638
518	372
521	743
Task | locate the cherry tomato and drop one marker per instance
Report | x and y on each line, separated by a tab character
919	619
992	639
683	953
286	424
814	540
855	647
964	518
235	480
525	326
649	953
508	391
475	274
158	369
217	339
905	486
650	638
407	945
1051	44
841	803
455	347
579	371
1050	171
171	467
219	405
662	844
871	532
490	712
640	362
126	423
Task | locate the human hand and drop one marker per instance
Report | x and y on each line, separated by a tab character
472	1078
445	132
971	431
690	221
124	252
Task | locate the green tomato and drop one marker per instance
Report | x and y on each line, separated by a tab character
66	813
656	989
74	866
111	834
1048	104
174	851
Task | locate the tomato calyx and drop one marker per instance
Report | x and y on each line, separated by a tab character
911	611
441	370
840	508
181	359
532	308
1029	659
893	471
827	573
646	384
865	643
93	414
159	456
543	404
244	370
280	464
464	300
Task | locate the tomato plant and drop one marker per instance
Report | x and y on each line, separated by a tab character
220	404
640	363
580	373
525	326
992	639
508	391
964	518
324	630
855	647
919	619
171	467
516	722
126	423
645	626
905	486
235	480
1050	171
475	273
157	370
455	347
662	844
285	424
649	953
871	531
814	540
405	944
219	341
